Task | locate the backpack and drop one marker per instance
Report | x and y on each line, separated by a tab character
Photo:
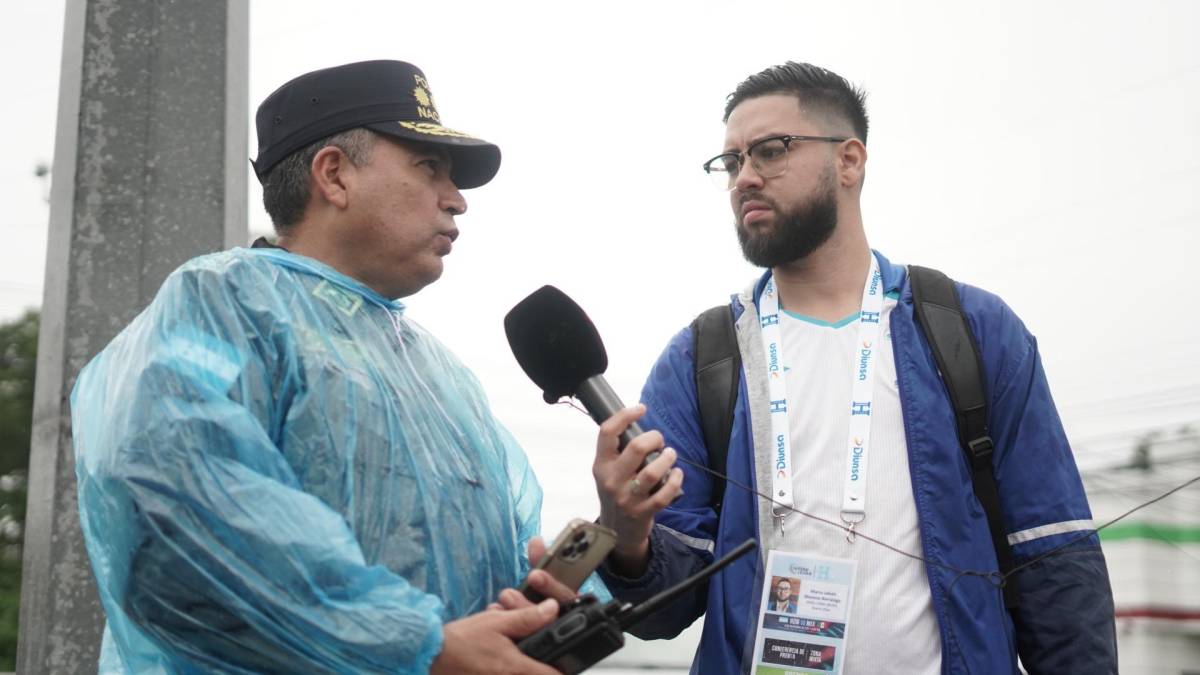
946	329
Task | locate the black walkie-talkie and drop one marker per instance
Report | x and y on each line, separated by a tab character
587	631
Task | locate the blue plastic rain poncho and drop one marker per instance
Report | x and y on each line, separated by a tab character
279	472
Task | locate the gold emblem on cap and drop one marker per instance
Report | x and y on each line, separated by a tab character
425	105
433	129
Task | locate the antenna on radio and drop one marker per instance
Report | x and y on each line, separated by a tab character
636	614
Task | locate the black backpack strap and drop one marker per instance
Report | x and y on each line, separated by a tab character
948	332
717	362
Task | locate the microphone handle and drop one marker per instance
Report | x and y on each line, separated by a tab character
601	402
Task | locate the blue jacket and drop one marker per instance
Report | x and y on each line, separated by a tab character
1065	620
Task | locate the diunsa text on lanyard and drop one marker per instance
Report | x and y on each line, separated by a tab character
858	438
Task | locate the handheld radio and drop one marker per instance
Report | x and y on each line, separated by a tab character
586	631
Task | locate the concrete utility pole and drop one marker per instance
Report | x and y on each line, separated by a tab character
149	170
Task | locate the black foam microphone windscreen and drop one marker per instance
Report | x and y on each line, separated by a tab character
560	349
555	342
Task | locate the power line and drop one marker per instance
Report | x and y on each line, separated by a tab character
1152	461
1187	390
1135	433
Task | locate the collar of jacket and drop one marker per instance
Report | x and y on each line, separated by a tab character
307	265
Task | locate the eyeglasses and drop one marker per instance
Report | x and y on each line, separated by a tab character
769	157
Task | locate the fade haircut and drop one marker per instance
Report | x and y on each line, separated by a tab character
819	90
286	186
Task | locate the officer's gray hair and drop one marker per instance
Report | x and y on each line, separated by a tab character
285	188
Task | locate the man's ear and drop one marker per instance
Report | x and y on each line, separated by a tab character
852	163
328	171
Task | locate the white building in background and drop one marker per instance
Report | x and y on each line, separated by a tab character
1154	555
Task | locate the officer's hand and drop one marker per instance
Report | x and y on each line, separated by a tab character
626	504
486	642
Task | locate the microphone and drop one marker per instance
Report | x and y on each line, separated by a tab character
559	348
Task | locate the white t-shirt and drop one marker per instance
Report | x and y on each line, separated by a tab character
893	628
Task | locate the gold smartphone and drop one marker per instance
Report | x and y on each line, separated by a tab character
576	553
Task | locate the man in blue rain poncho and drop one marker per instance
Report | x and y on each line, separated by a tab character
278	470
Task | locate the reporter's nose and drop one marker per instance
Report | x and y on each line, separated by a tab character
747	178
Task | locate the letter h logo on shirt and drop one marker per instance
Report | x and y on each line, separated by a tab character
770	320
779	406
857	408
870	317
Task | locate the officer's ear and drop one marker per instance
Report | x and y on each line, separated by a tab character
328	175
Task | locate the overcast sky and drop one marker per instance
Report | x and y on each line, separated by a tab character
1047	151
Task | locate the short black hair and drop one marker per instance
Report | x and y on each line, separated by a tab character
815	87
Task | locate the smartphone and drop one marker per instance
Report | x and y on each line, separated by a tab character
576	553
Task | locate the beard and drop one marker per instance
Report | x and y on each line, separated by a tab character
795	233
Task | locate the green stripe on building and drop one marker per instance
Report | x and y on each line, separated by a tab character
1172	534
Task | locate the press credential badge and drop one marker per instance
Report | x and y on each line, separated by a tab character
806	631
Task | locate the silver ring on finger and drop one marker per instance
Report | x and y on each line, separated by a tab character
635	486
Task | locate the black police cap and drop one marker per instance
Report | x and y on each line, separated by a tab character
388	97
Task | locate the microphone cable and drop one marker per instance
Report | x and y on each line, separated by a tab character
995	577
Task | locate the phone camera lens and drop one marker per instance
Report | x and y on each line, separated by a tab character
579	536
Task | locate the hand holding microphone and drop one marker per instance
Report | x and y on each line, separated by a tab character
559	348
623	482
